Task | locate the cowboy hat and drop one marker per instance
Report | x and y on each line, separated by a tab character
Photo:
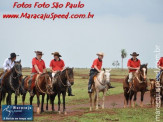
56	54
100	54
134	54
39	53
13	55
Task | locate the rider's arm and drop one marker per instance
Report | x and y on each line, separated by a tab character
5	65
160	67
36	68
97	68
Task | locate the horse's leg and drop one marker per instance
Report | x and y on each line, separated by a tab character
134	100
38	103
15	99
64	108
142	97
59	102
97	93
7	99
130	97
47	99
31	99
9	94
23	98
103	99
42	103
126	96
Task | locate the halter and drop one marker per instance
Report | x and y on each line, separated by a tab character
100	82
17	72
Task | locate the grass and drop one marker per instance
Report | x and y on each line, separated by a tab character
117	114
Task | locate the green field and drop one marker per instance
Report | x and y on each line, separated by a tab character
81	97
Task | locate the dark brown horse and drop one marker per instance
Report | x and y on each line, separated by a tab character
139	85
11	83
41	85
60	85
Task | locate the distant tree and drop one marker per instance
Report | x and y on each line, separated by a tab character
116	63
123	55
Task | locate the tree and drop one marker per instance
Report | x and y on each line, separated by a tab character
123	55
115	63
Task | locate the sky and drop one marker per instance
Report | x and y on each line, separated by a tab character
134	25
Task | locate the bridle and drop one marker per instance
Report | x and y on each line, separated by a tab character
141	75
17	72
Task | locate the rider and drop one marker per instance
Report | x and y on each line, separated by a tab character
160	66
133	66
38	67
8	64
96	68
56	65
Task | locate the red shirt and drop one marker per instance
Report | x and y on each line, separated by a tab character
160	62
40	64
57	65
97	63
134	64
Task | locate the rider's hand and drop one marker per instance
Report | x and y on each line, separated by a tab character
40	73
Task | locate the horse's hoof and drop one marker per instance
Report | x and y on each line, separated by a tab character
124	106
38	110
65	113
59	112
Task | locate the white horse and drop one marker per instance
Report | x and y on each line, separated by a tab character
101	84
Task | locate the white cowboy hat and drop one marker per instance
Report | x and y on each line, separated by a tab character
100	53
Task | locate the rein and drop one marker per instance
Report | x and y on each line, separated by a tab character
39	86
139	79
100	82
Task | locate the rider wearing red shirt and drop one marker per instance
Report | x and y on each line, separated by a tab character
160	66
38	67
133	66
95	68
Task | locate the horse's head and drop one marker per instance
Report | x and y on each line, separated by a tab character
143	71
70	75
107	76
18	68
48	83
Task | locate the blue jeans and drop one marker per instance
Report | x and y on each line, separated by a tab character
158	75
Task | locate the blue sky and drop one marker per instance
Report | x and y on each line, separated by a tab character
135	25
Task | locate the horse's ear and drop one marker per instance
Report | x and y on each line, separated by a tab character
104	69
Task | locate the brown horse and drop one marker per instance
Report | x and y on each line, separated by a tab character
153	92
41	85
139	85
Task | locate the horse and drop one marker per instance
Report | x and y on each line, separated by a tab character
139	84
11	83
101	84
161	84
41	85
61	81
153	92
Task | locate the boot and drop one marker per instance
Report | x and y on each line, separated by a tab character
110	86
70	92
89	88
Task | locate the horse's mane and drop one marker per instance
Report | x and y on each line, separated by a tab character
143	66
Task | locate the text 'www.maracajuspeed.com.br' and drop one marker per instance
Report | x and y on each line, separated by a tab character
52	16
